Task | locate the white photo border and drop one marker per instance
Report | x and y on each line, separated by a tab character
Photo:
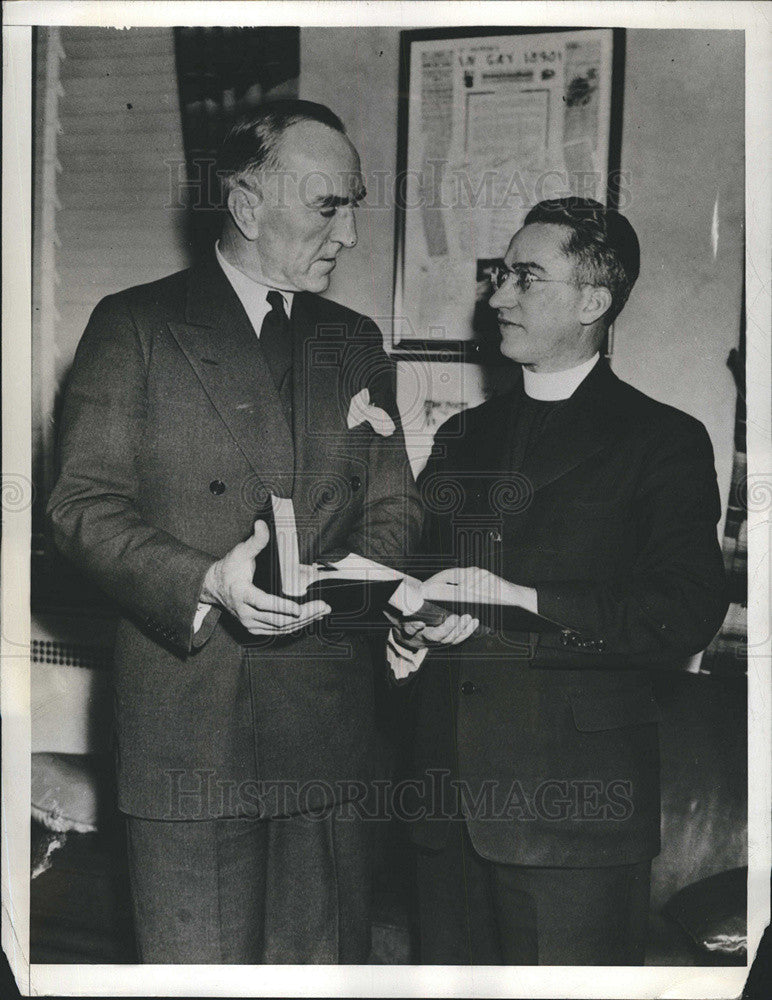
99	980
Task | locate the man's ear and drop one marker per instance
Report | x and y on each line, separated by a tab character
595	303
244	208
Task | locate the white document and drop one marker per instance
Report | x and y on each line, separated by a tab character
297	577
412	593
294	580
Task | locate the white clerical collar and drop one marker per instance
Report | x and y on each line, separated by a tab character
251	291
552	386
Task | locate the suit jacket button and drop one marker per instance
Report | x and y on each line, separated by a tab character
217	486
468	687
356	483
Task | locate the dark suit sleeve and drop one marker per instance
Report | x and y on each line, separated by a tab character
673	601
94	507
390	525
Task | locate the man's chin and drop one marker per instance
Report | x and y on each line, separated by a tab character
510	347
318	280
316	283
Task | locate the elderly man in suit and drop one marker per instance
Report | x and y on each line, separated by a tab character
591	510
193	402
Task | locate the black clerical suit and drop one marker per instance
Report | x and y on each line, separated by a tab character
543	740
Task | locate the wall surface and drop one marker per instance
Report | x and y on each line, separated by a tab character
682	151
108	144
683	147
120	146
355	72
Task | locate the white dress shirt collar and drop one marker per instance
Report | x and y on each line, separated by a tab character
552	386
252	292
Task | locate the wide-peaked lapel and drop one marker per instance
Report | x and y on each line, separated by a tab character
220	344
319	423
302	329
589	421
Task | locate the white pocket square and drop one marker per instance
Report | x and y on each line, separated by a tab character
361	411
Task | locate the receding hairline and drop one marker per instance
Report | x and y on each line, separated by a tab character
254	144
328	200
311	125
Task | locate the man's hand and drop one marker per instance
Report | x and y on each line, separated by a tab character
418	635
473	585
228	582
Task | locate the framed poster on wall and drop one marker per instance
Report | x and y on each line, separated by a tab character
491	121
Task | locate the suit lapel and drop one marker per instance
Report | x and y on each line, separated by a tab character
220	344
303	380
319	420
586	423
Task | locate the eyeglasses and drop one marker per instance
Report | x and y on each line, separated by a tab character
522	277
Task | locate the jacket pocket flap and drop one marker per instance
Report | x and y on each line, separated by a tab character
594	711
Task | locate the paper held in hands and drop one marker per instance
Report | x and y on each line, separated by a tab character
426	601
411	598
297	577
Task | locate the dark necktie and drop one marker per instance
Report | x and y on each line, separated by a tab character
276	343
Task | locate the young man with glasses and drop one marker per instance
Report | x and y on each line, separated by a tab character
591	510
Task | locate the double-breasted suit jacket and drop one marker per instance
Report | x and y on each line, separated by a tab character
552	732
172	436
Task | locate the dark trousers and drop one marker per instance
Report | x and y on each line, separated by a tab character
249	891
477	912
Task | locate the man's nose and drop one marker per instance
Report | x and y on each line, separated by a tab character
505	296
345	228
